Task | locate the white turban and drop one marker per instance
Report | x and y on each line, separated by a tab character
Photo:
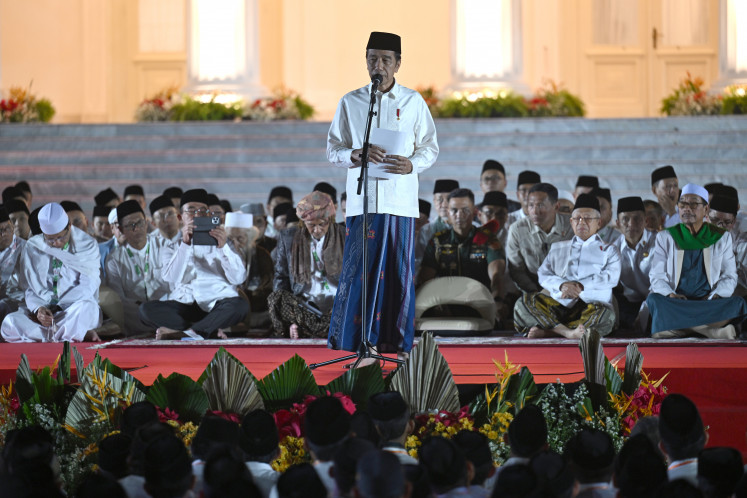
52	219
112	216
691	188
239	220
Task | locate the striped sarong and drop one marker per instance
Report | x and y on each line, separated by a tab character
391	286
536	309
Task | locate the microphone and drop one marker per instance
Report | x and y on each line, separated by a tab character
376	80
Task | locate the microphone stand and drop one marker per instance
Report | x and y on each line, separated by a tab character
365	347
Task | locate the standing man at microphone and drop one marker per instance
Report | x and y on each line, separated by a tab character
392	204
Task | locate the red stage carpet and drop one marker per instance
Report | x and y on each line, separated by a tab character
713	374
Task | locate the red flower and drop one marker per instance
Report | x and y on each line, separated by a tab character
8	105
166	415
15	404
232	417
347	403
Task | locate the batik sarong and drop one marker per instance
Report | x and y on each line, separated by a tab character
391	290
536	309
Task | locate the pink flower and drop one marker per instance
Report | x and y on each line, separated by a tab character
347	403
166	415
232	417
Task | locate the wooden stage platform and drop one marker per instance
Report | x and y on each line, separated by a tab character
712	373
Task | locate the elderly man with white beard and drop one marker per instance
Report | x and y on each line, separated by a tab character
60	275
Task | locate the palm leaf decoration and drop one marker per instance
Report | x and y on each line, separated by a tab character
112	369
425	380
358	383
594	368
63	367
181	394
79	364
287	384
101	398
24	380
41	387
229	385
633	366
612	378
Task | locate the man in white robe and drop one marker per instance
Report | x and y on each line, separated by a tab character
60	275
11	247
133	270
204	301
577	278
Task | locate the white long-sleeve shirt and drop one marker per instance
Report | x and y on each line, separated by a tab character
636	264
593	263
202	274
399	109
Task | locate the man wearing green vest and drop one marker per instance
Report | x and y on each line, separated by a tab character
693	275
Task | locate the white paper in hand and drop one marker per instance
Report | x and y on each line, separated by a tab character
393	142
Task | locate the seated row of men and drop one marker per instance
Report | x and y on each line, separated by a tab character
598	277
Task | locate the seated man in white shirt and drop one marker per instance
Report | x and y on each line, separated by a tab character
18	212
527	180
11	247
682	437
133	270
591	455
259	442
666	188
577	277
636	246
278	195
102	230
607	231
391	417
166	219
60	272
203	278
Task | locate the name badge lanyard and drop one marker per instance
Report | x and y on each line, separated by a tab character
325	285
141	272
56	270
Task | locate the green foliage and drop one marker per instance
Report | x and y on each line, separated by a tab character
45	110
556	103
425	380
734	103
508	105
230	387
358	383
633	369
38	387
194	110
287	384
181	394
305	110
691	99
612	377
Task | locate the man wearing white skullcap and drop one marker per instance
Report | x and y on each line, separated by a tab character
693	275
60	272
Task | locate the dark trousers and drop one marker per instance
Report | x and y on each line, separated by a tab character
179	316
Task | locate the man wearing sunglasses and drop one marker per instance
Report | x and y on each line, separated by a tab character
60	272
693	275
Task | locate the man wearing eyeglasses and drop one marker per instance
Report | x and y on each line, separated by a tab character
579	275
204	300
724	209
11	247
133	270
60	270
166	219
465	250
693	275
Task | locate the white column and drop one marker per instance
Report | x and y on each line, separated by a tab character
486	46
732	43
223	47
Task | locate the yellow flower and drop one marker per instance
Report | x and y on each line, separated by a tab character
492	435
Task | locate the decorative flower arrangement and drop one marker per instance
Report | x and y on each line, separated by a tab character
691	99
554	101
168	105
442	424
21	106
645	402
549	101
735	100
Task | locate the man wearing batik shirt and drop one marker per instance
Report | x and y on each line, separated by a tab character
166	220
665	186
204	300
579	274
10	250
530	239
693	275
607	232
60	274
723	214
636	246
133	270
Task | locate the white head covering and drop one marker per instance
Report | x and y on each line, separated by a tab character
113	216
52	219
692	188
239	220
